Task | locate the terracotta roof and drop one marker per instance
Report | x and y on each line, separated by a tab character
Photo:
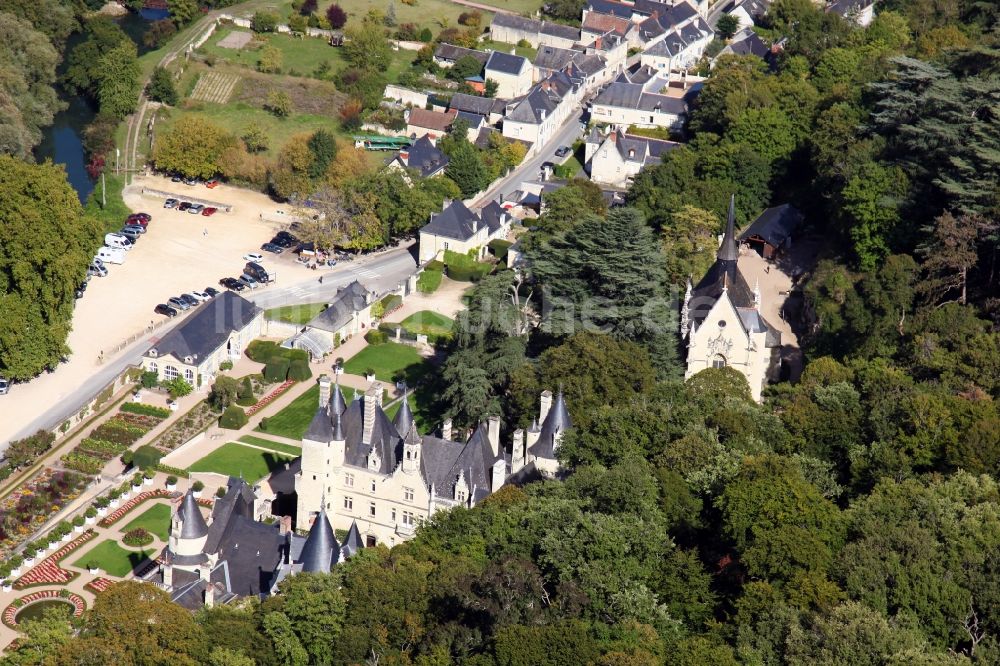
602	23
432	120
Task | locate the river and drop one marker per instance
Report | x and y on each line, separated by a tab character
62	142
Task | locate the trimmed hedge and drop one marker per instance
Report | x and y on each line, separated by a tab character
167	469
146	457
499	247
299	370
376	337
429	281
233	418
263	351
144	409
276	369
435	265
472	273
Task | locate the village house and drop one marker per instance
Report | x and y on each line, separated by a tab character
421	122
748	42
446	55
512	74
626	103
361	467
597	25
587	68
614	159
861	12
423	157
490	108
458	229
721	320
536	117
511	29
218	331
680	49
347	315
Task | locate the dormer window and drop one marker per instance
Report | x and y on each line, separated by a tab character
188	360
152	353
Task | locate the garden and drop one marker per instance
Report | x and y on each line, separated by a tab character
293	420
154	520
389	362
111	558
26	508
235	459
114	437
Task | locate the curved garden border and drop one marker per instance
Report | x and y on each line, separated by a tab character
9	613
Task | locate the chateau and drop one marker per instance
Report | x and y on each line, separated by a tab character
722	323
358	466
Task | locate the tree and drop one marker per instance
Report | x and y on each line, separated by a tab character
223	393
271	60
567	206
390	15
466	168
42	638
950	253
279	103
192	147
27	99
727	26
159	33
279	629
83	63
38	280
465	67
118	84
336	16
689	243
323	147
289	177
263	21
366	47
178	387
255	138
491	88
161	87
308	7
182	12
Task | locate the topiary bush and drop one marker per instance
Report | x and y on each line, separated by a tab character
299	371
276	369
146	457
376	337
233	418
137	537
429	281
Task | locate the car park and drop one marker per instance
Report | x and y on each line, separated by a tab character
165	309
189	299
195	209
212	184
253	256
201	296
4	386
184	205
563	151
179	303
170	203
232	284
209	211
130	233
271	247
211	291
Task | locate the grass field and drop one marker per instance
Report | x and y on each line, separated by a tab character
274	446
234	459
528	52
295	314
294	419
424	13
113	559
155	520
388	361
427	322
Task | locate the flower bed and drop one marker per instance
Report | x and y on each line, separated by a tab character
120	512
270	397
137	537
118	429
99	584
204	501
101	448
9	613
198	418
48	571
26	508
144	409
82	462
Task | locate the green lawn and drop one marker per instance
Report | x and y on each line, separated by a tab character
294	419
155	520
528	52
234	459
295	314
427	322
425	13
113	559
274	446
389	361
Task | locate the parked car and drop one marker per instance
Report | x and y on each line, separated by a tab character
195	209
176	178
135	226
184	205
4	386
189	299
232	284
249	281
165	309
253	256
130	233
201	296
211	291
209	211
97	269
563	151
170	203
212	184
191	181
271	247
178	303
139	218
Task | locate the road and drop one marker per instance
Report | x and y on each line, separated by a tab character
716	11
380	272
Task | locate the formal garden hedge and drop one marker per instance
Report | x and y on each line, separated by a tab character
463	268
499	248
429	281
376	336
144	409
233	418
264	350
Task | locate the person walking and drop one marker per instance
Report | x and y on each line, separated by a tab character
205	232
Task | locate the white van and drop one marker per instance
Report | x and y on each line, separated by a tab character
117	240
111	255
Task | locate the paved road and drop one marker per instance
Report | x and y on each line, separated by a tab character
380	272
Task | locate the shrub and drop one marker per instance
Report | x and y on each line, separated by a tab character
78	521
369	372
178	387
426	35
224	391
233	418
92	564
225	365
147	474
245	389
299	371
264	22
261	350
137	537
376	337
149	379
276	369
91	512
146	456
435	265
144	409
429	281
471	19
524	44
499	247
336	16
197	486
220	492
171	480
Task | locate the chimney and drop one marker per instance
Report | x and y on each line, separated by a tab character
445	204
404	155
370	403
614	137
168	575
499	475
517	452
544	403
446	430
324	391
209	595
494	434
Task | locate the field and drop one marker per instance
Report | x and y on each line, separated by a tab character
155	520
234	459
113	559
295	314
428	323
294	419
388	361
424	13
273	446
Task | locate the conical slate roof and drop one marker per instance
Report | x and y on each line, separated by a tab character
193	525
321	546
337	402
728	250
404	418
534	426
353	543
338	430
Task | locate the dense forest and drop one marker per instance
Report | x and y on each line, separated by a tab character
852	518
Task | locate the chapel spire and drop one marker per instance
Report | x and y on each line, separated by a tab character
728	250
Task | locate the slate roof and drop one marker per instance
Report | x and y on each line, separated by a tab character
631	96
253	551
456	53
482	106
210	327
283	480
353	543
609	7
321	550
493	215
557	421
349	300
642	149
404	417
475	120
674	15
774	225
506	63
560	30
439	121
425	157
385	441
442	461
724	275
238	501
193	525
516	22
456	221
551	57
537	105
749	44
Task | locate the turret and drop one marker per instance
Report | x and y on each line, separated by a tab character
533	432
188	529
321	550
337	402
727	249
411	450
404	417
